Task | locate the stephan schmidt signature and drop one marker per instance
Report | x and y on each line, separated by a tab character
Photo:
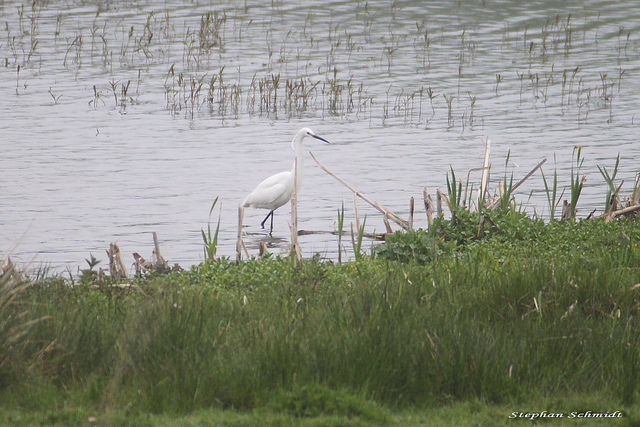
545	414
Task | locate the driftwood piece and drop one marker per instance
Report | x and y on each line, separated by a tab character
375	236
156	263
383	210
625	211
141	264
116	263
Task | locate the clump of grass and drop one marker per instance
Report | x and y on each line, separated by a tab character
16	323
314	400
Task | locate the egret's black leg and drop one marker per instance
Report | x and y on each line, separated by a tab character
270	214
271	231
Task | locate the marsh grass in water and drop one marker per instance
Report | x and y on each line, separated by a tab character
295	77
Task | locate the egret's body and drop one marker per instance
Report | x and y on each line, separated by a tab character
276	190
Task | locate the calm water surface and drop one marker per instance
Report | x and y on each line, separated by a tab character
125	118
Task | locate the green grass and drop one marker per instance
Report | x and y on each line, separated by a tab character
445	327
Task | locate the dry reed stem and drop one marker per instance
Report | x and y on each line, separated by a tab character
428	206
527	176
355	206
496	202
383	210
442	196
385	219
466	186
485	173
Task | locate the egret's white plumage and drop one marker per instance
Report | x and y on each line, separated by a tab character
276	190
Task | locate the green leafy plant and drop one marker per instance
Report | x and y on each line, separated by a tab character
356	239
553	199
506	187
612	190
211	241
454	193
577	182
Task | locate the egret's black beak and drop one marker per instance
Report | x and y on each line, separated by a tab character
320	138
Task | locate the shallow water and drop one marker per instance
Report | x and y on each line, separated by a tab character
119	119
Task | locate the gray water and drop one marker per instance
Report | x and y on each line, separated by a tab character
124	118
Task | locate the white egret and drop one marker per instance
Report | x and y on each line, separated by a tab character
276	190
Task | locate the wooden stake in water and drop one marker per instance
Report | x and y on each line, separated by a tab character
485	175
239	243
295	246
411	211
116	263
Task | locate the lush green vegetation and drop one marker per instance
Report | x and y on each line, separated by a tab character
484	314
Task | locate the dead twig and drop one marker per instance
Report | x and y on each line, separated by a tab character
383	210
485	174
496	202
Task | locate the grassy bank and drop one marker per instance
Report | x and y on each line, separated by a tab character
524	317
